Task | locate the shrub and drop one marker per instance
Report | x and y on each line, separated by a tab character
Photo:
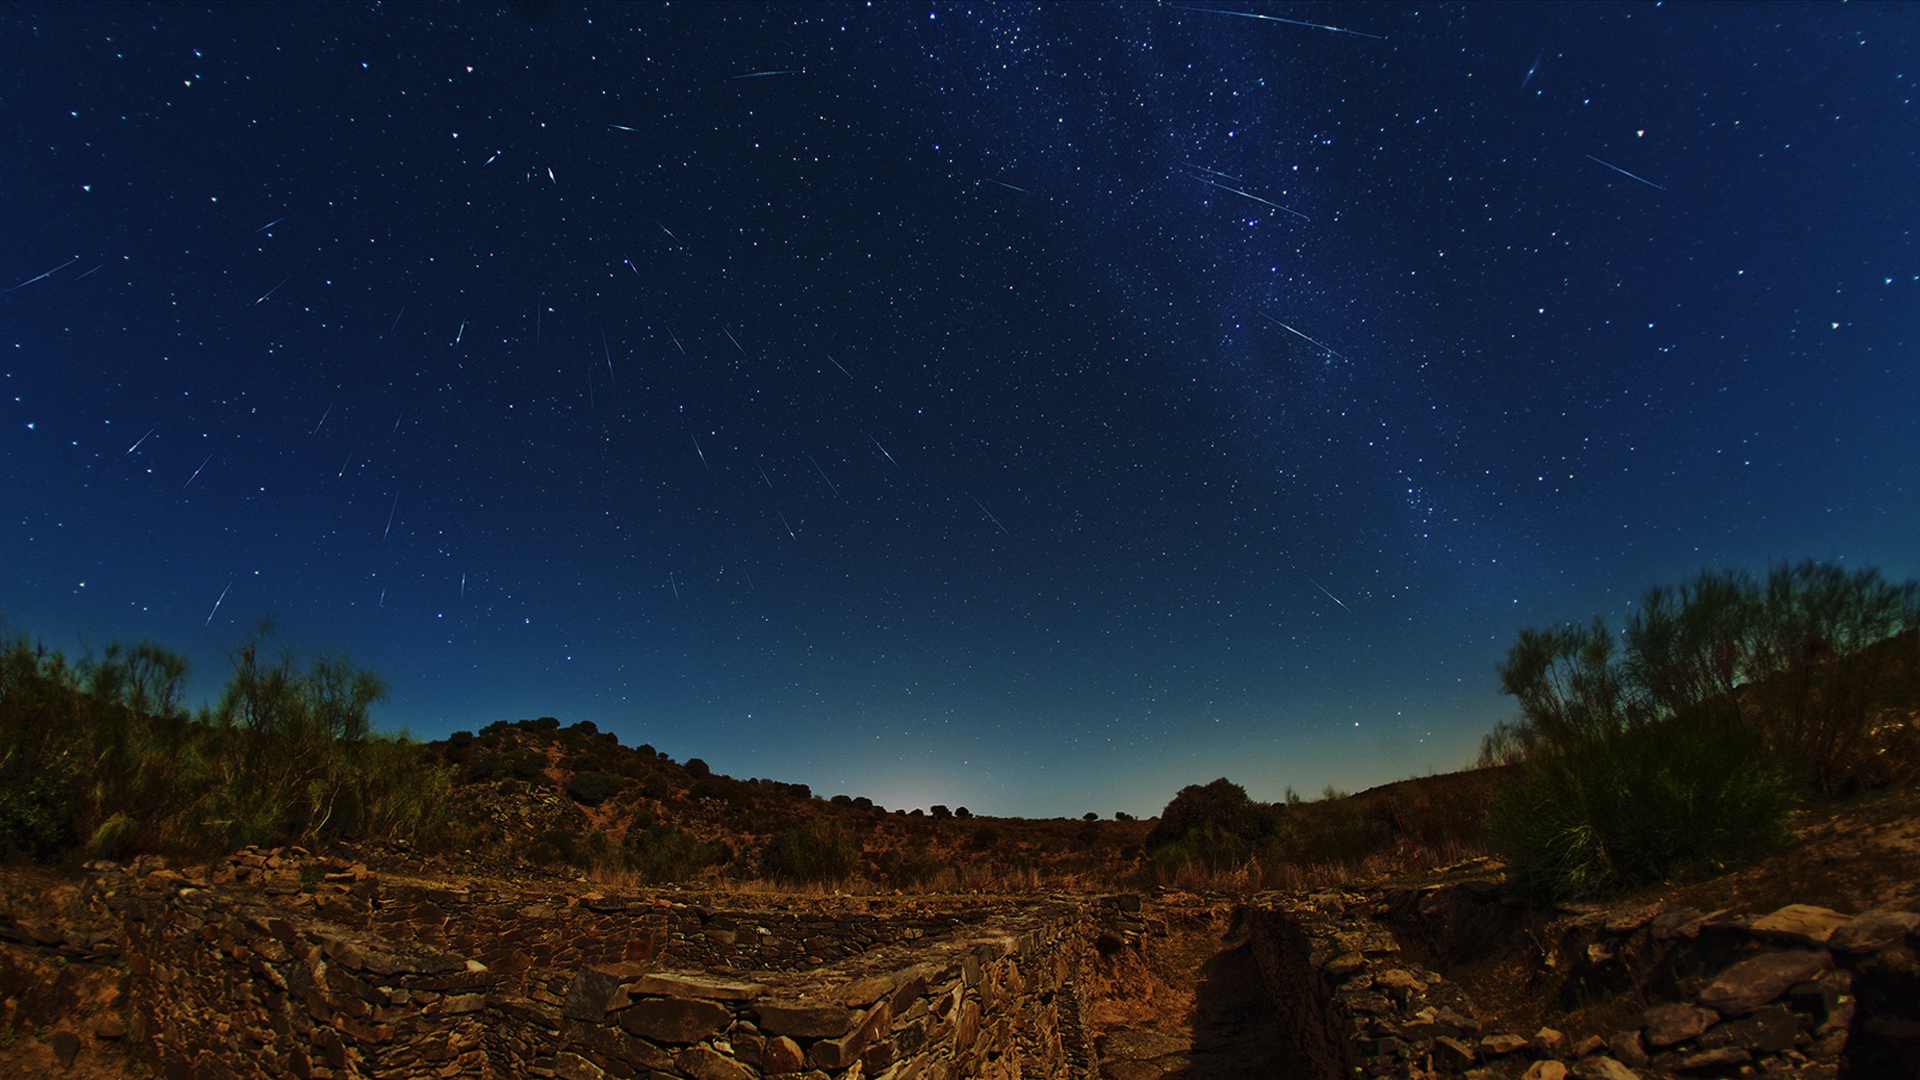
818	852
698	768
664	853
1619	809
592	789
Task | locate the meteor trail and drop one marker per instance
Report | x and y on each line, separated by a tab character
138	441
462	332
783	521
323	421
89	273
1006	185
674	584
391	510
836	363
763	474
1255	198
1625	173
1297	333
270	224
196	473
1323	589
823	476
764	74
54	271
736	341
216	605
676	342
397	318
882	449
1278	19
609	351
669	232
697	450
271	291
989	513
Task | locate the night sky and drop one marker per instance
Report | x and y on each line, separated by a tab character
1036	409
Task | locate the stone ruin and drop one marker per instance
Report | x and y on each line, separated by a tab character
277	963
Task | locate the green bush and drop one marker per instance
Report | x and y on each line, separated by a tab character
1684	796
592	789
818	852
663	853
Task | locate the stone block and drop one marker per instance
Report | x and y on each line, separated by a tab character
1871	931
1800	924
1750	984
1669	1024
781	1055
706	987
675	1020
704	1064
803	1020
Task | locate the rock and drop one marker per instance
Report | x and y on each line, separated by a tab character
1871	931
1603	1067
1677	922
1724	1057
674	1020
587	996
571	1066
1137	1044
1669	1024
66	1047
696	986
110	1026
1545	1070
1768	1031
1346	963
1627	920
782	1055
804	1021
1800	924
1750	984
1452	1055
1547	1042
1592	1044
704	1064
1626	1048
1500	1045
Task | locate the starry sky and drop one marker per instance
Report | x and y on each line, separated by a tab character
1032	408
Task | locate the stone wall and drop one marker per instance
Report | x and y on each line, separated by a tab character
1801	991
278	963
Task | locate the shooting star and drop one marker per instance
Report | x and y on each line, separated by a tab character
622	127
836	363
1255	198
1213	172
604	347
396	424
697	450
196	473
676	342
344	464
1298	334
823	476
675	585
461	333
630	266
1533	69
750	585
463	586
783	521
397	318
1323	589
137	442
273	290
764	74
1278	19
383	598
216	605
1625	173
736	341
882	449
763	473
490	160
550	176
270	224
323	421
1004	184
48	274
391	510
88	274
669	232
989	513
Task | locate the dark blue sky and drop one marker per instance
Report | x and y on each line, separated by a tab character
1030	408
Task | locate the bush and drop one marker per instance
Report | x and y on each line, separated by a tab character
817	853
664	853
592	789
1620	809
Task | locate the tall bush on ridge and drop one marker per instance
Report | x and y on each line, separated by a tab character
817	853
1727	690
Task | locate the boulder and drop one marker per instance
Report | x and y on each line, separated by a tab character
1669	1024
1603	1067
673	1020
1750	984
1871	931
1545	1070
1799	924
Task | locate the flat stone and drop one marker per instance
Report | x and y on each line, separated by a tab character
1724	1057
1768	1031
611	1042
695	986
1750	984
1548	1069
1452	1055
674	1020
1800	924
1627	920
704	1064
1603	1067
1500	1045
1139	1044
1346	963
804	1021
1626	1048
1871	931
1547	1042
66	1046
782	1055
1677	922
1669	1024
571	1066
588	994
